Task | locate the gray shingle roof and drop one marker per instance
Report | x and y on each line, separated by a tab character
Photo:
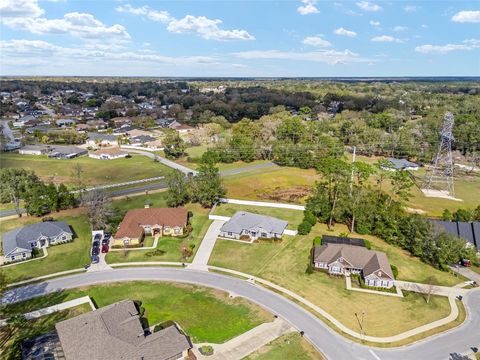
243	220
115	332
400	164
99	136
20	237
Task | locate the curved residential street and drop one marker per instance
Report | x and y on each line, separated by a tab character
446	346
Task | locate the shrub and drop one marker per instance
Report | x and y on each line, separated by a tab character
163	325
317	241
310	269
156	252
394	271
304	228
206	350
309	217
368	244
244	237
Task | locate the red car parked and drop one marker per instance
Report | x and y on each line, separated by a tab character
105	249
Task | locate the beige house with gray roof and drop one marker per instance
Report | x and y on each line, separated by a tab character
341	259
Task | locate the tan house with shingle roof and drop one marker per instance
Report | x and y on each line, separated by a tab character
341	259
114	332
150	221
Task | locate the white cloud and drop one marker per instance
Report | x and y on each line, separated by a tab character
308	7
80	25
424	26
206	28
385	38
467	17
400	28
20	8
344	32
159	16
441	49
474	43
410	8
331	57
368	6
375	23
316	41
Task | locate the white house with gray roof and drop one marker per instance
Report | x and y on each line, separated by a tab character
395	164
253	226
17	244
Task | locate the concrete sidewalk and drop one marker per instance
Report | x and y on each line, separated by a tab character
200	260
432	289
247	343
54	308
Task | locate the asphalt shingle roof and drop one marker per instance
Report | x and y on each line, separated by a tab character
243	220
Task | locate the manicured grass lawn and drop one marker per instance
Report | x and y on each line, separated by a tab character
94	171
170	245
42	325
294	217
206	315
72	255
278	184
285	263
289	346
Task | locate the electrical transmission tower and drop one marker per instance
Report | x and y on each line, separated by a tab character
439	178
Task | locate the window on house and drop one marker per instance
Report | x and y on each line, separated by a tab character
176	231
264	235
230	234
24	255
13	257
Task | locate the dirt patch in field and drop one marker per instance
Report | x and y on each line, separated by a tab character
292	194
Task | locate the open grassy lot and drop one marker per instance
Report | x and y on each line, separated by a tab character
276	184
72	255
294	217
171	246
42	325
94	171
206	315
289	346
285	263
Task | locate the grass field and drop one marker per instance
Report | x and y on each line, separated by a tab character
95	171
42	325
206	315
72	255
278	184
170	245
294	217
289	346
285	263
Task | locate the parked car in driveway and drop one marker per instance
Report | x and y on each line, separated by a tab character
95	251
96	244
105	249
105	242
95	259
97	237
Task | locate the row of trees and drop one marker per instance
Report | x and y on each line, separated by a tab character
18	185
462	215
206	187
351	195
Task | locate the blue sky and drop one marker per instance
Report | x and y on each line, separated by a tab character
240	38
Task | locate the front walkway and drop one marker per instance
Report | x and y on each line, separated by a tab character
200	260
348	283
432	289
248	342
45	254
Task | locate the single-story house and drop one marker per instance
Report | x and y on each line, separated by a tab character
65	122
66	152
184	129
136	132
469	231
18	244
150	221
165	123
253	226
341	259
12	145
400	164
34	150
108	154
101	139
112	332
141	139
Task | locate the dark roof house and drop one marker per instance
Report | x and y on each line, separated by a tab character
469	231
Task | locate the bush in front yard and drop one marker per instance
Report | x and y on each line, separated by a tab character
304	228
394	271
368	244
206	350
317	241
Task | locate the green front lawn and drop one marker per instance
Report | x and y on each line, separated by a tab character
294	217
289	346
206	315
72	255
95	171
285	263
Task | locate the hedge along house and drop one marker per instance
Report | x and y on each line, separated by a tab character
18	244
150	221
253	226
343	259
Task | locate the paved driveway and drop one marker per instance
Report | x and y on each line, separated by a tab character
200	260
332	345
